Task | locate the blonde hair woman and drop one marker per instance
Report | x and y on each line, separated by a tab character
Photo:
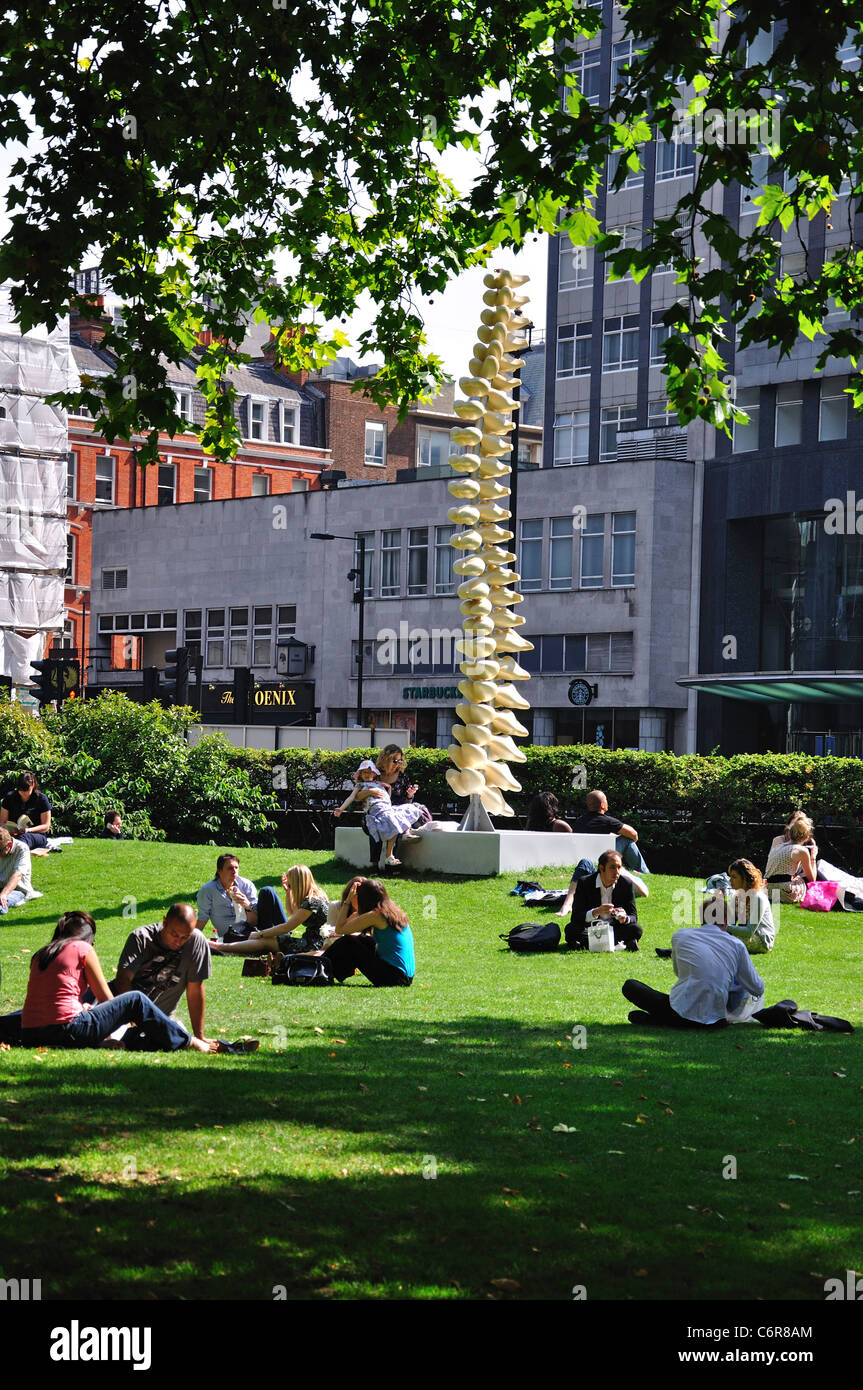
306	906
791	861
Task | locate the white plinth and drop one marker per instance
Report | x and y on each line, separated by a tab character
479	852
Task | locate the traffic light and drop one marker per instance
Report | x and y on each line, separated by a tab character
45	681
177	676
151	683
68	679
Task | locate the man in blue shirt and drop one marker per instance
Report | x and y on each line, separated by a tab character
714	974
232	903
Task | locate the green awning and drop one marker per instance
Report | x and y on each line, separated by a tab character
784	687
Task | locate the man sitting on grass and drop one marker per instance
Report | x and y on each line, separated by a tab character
15	885
166	960
609	897
234	905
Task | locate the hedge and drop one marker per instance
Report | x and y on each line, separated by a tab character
692	812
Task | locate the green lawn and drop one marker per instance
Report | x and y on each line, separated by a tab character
402	1143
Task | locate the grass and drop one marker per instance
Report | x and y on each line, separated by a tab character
402	1143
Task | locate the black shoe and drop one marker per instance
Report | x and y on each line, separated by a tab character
632	945
664	952
638	1016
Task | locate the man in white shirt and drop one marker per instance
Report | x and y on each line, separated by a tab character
714	974
15	885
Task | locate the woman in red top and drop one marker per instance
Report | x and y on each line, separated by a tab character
54	1014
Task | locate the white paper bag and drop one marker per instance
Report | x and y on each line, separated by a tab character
600	935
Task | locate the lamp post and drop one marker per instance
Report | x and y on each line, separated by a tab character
359	573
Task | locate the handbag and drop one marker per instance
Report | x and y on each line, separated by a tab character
600	936
820	896
257	965
303	970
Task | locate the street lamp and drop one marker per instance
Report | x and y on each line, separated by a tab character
359	573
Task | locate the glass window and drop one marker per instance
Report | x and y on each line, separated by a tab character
560	553
552	653
630	237
760	50
620	343
634	177
418	560
286	618
391	555
72	477
260	485
833	415
659	417
598	651
285	423
106	624
137	622
621	651
432	448
70	559
300	485
105	473
759	165
575	271
793	264
575	653
659	333
592	546
621	57
203	484
675	159
114	579
166	494
257	419
444	558
623	549
571	437
614	418
789	414
369	576
746	436
239	645
215	637
531	554
586	66
192	630
573	349
375	444
262	637
184	405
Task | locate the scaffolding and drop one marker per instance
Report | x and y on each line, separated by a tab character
34	451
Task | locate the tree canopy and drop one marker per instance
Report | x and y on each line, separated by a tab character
194	152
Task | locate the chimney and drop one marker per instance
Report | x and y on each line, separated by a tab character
298	378
92	324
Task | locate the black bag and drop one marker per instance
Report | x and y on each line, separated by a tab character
303	970
533	936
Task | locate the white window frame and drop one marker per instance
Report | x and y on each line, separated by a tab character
621	417
832	392
618	530
634	177
579	66
100	501
216	635
262	403
391	562
592	530
166	463
415	547
208	473
534	538
71	558
575	266
660	332
574	333
427	435
282	428
624	328
683	163
185	405
789	398
262	632
660	418
73	463
753	410
564	424
560	535
114	571
379	431
631	239
444	558
257	478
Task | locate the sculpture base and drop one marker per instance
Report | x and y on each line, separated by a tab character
479	853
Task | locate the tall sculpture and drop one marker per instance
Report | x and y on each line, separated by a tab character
484	745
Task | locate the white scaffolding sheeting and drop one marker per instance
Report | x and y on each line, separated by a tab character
34	445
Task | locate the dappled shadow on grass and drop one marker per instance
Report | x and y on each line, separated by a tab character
307	1168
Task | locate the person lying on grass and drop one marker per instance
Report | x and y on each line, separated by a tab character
306	906
55	1015
386	956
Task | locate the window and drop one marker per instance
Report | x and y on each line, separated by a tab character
666	267
621	57
612	419
760	50
72	477
560	553
573	349
571	438
114	579
117	317
793	263
239	645
630	237
215	637
531	554
634	177
833	414
260	485
203	484
675	159
659	417
286	619
444	557
166	495
789	414
418	560
620	343
192	631
375	444
592	545
577	652
184	405
369	577
659	333
300	485
585	66
432	448
623	549
746	436
70	559
848	51
105	473
759	165
262	637
391	555
88	281
576	265
257	419
285	423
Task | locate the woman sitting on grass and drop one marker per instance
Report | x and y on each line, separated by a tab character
748	912
386	955
306	906
55	1016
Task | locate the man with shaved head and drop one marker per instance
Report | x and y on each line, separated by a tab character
167	960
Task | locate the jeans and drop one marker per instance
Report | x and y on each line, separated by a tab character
631	855
14	899
34	839
355	952
270	910
155	1032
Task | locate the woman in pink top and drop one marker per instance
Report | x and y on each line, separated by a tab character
54	1014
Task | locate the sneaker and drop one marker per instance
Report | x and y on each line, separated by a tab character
638	1016
241	1045
392	862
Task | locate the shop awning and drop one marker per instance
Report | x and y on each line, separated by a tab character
784	687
